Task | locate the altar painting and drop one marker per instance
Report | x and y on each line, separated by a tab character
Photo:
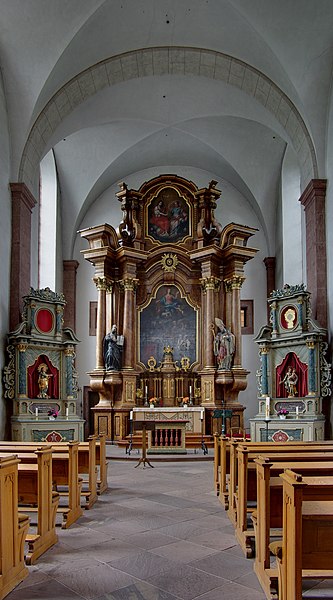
168	320
168	216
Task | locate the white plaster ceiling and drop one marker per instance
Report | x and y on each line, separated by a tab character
165	119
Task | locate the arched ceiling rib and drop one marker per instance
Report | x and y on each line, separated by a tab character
168	61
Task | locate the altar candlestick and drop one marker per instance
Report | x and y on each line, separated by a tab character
267	407
36	413
190	390
202	414
297	412
66	411
146	391
131	415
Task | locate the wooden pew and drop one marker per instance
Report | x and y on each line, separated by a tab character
35	488
64	474
13	528
252	450
247	483
306	549
267	517
91	455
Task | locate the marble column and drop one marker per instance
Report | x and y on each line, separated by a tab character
129	285
69	290
101	285
313	200
235	283
209	286
23	203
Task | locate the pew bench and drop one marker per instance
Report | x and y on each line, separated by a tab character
13	528
246	496
91	462
64	475
306	548
267	518
242	482
35	494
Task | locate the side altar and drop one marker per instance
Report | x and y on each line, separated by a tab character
40	378
294	375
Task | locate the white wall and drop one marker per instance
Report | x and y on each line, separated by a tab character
5	244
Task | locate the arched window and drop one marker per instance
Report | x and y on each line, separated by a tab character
48	223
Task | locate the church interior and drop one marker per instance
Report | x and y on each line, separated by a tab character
166	223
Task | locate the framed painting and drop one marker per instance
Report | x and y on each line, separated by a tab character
168	216
168	319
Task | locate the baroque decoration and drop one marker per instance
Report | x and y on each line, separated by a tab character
294	375
163	291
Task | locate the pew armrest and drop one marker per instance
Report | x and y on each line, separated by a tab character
276	548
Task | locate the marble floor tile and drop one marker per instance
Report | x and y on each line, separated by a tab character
156	534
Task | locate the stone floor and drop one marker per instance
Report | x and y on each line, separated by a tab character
157	534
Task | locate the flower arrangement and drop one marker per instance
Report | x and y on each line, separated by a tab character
283	412
53	412
153	401
186	400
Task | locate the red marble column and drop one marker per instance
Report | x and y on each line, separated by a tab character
129	284
313	200
20	277
69	291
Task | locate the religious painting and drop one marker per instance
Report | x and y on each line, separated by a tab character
168	320
168	217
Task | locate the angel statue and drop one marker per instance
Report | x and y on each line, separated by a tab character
224	345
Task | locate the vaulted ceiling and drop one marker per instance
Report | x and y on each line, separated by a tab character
119	86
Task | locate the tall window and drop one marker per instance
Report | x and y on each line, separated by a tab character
48	223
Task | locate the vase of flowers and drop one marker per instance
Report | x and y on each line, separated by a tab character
186	401
152	402
52	414
283	412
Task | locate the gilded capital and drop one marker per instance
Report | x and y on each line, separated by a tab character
22	347
210	283
129	284
101	283
234	283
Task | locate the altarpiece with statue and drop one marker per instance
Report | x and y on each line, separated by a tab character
40	378
168	334
294	375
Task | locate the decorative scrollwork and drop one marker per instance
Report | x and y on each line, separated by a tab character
325	371
9	374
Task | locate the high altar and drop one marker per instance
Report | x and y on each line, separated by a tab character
168	289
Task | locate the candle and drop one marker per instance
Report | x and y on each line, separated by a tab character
202	413
190	390
297	411
36	412
267	407
131	415
146	392
66	411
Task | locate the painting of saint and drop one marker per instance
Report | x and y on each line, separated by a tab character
168	320
168	216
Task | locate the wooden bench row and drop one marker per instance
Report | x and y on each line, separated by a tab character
40	472
251	476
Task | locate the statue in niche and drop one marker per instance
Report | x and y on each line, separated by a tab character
113	349
43	381
290	382
224	345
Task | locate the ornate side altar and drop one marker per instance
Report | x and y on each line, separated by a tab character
294	375
168	278
40	377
